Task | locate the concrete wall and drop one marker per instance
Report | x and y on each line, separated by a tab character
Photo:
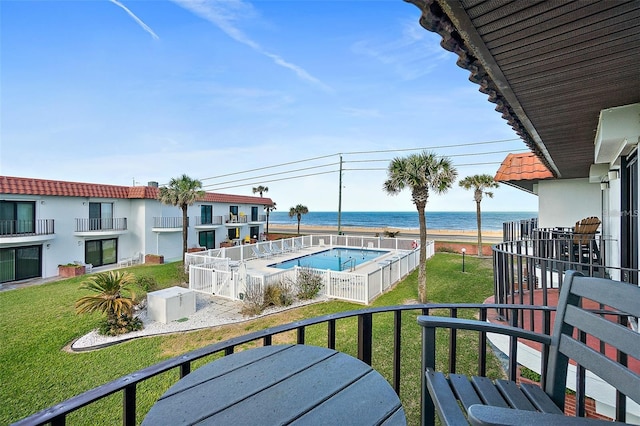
563	202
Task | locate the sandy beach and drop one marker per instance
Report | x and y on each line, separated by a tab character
434	234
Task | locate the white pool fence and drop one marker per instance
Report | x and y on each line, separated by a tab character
223	272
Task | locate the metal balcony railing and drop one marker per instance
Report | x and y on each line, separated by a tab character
235	218
21	228
528	271
203	220
258	218
167	222
109	224
366	347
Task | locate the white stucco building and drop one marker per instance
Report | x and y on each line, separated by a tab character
46	223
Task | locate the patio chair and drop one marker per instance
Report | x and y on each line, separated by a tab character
257	253
584	246
286	247
266	251
298	245
275	250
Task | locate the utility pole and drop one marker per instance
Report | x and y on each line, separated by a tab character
340	197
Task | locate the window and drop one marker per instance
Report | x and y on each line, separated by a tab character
101	252
233	210
17	217
254	215
207	239
100	216
20	263
206	215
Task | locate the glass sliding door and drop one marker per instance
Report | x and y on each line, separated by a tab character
207	239
17	217
20	263
206	215
101	252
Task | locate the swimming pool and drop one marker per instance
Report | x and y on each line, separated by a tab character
335	259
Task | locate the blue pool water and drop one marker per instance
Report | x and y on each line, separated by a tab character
335	259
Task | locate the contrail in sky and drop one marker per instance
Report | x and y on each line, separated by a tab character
223	14
135	18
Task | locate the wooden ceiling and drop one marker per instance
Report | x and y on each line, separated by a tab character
550	66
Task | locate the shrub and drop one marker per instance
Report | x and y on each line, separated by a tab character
278	294
146	283
120	325
253	302
309	283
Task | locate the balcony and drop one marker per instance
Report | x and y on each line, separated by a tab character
26	231
233	221
86	227
168	224
208	222
257	219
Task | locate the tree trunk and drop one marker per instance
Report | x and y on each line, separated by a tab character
185	229
299	224
267	221
422	267
479	220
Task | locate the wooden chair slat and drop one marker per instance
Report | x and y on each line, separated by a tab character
512	393
539	399
488	392
618	336
464	390
623	379
445	401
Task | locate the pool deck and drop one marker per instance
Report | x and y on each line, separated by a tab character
260	266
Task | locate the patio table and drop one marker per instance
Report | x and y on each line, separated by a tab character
280	384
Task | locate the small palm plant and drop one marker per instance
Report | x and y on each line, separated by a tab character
111	298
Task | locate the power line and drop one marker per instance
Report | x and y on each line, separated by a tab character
269	174
276	180
360	152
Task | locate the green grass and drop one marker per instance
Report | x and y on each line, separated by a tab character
37	323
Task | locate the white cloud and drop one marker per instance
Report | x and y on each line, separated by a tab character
135	18
225	13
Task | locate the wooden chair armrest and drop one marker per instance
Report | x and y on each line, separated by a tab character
428	321
484	415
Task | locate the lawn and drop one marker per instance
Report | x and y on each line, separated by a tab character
37	323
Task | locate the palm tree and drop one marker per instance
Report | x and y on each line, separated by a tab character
269	209
260	189
298	211
109	298
182	192
420	173
479	184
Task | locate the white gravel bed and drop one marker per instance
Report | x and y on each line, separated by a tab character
211	311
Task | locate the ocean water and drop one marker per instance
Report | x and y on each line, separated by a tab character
491	221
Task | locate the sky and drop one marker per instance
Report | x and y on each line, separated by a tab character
240	94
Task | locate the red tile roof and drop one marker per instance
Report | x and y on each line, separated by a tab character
525	166
30	186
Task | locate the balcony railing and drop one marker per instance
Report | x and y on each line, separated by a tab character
258	218
397	344
168	222
235	219
203	220
22	228
530	269
109	224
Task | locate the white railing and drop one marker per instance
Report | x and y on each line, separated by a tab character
210	271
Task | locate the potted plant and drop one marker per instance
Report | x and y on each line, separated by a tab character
155	259
69	270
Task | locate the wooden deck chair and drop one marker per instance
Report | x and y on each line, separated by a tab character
585	249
